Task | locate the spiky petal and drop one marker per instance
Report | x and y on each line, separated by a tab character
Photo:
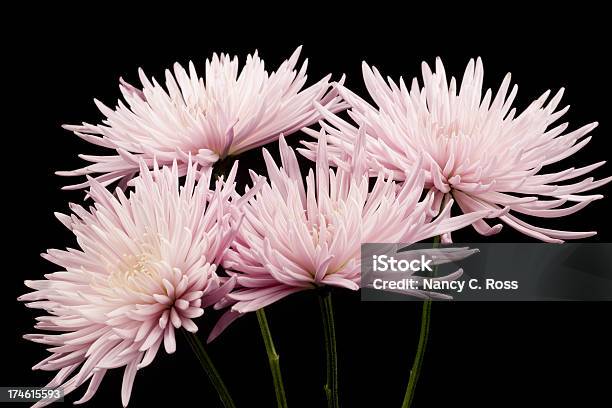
476	149
145	268
298	236
223	114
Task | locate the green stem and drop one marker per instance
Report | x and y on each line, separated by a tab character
418	359
273	358
329	329
209	367
422	345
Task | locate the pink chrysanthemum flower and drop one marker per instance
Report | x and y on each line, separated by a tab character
297	237
476	149
145	267
223	114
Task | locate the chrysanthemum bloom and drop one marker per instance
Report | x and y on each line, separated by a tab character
476	149
145	267
297	237
223	114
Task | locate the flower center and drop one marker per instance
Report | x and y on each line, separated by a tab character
324	229
134	272
448	130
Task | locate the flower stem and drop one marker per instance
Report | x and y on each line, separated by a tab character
418	359
329	329
420	354
209	367
273	358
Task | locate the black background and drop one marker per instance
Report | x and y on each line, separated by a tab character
479	353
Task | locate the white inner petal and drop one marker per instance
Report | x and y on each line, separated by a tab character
134	271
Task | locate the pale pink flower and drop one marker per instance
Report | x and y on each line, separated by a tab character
222	114
145	267
474	148
298	236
